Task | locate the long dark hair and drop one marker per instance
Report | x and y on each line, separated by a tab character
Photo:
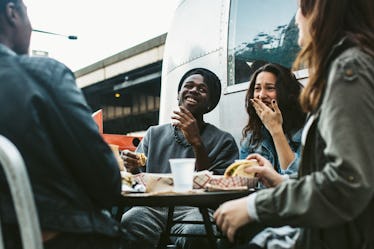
329	22
288	89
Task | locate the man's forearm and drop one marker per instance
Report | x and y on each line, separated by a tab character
202	159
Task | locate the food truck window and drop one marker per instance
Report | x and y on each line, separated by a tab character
260	31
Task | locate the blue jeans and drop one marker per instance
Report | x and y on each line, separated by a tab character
143	227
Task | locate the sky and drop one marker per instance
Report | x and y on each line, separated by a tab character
103	27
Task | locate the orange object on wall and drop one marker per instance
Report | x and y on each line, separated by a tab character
123	141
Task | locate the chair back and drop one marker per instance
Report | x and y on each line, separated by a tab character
20	189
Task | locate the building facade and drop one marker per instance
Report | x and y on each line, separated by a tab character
126	86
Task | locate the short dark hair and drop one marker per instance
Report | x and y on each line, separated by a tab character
3	3
211	80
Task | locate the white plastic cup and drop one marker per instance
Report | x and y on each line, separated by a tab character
182	170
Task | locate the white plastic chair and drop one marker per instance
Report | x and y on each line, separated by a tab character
20	188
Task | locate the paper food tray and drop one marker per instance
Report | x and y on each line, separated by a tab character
159	183
231	183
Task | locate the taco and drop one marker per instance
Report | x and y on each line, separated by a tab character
238	168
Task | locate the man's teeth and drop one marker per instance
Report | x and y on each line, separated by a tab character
191	100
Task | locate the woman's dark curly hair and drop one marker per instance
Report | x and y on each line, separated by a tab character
288	89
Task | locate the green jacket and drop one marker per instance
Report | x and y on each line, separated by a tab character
333	200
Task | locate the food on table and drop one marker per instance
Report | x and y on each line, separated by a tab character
238	168
142	159
127	178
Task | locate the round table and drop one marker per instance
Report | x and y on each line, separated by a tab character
200	199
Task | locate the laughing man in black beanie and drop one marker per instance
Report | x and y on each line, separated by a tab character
188	136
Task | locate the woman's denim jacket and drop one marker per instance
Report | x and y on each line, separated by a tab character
267	149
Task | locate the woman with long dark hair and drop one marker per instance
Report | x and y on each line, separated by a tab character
275	118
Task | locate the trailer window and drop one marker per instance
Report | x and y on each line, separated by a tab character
260	31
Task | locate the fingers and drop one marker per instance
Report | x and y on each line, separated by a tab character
217	217
228	230
230	216
254	170
130	159
129	154
223	223
231	234
262	110
260	159
183	113
182	117
275	106
186	112
177	120
257	107
261	105
265	172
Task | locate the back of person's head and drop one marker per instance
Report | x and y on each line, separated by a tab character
288	89
3	21
329	21
15	26
211	80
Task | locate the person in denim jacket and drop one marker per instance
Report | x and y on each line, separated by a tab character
275	118
274	131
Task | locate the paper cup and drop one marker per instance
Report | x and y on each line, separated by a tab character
182	170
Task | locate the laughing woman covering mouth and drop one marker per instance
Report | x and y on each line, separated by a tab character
275	118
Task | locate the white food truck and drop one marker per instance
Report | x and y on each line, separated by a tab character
231	38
